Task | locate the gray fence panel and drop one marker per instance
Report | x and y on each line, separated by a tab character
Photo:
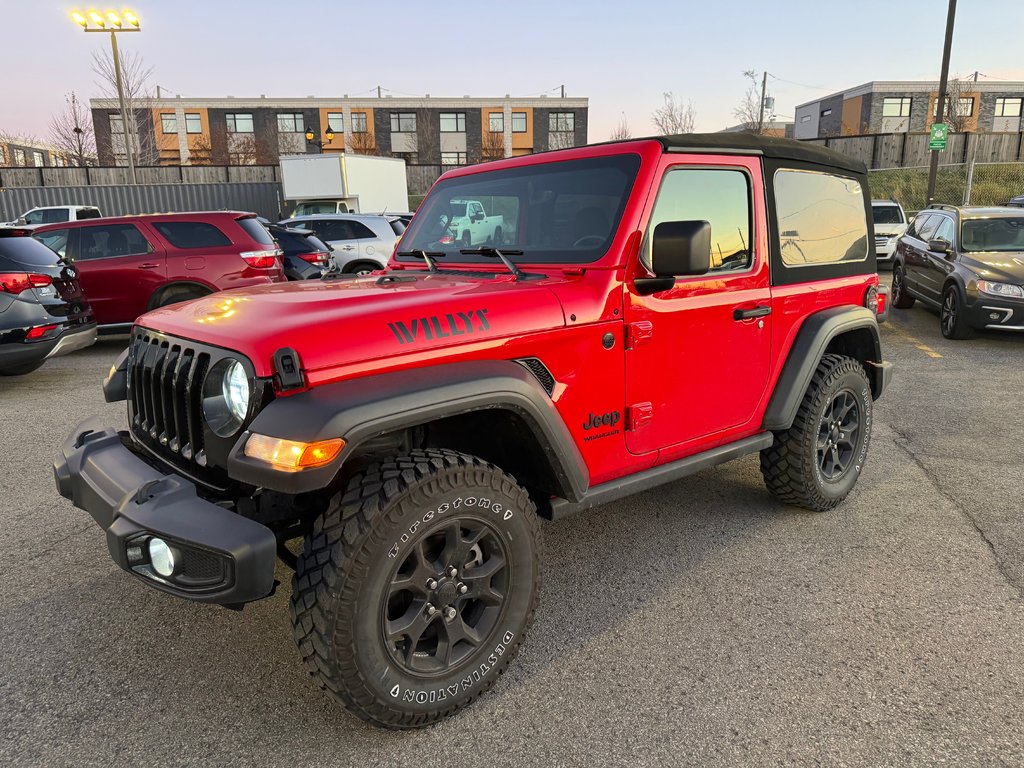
163	174
995	147
263	198
858	147
889	150
421	177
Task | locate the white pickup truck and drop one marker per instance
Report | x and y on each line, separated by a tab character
470	225
54	214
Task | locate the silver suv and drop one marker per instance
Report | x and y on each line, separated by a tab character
360	243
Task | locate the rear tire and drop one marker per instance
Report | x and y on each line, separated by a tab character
21	370
499	236
416	586
816	462
362	268
952	319
900	297
467	239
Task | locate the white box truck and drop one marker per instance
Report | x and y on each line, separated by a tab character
339	182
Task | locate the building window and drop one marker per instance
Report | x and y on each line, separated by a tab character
116	124
19	156
359	122
290	122
193	123
37	159
453	122
239	122
169	122
965	107
336	122
518	122
1007	106
496	122
561	122
453	158
403	122
896	106
826	112
805	119
411	158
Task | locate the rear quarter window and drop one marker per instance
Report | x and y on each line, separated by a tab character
256	231
192	234
821	218
25	251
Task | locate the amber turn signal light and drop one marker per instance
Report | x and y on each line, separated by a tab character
291	455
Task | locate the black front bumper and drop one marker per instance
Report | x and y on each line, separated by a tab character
221	557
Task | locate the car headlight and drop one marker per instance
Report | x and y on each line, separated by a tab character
1006	290
226	396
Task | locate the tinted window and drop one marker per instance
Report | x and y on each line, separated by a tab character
886	214
56	240
47	216
111	241
397	226
256	231
556	212
89	213
925	226
25	250
360	231
314	243
945	230
821	218
192	234
1003	234
338	229
719	197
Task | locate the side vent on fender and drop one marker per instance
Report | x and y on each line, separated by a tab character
539	371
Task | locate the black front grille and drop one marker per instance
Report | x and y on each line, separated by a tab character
165	395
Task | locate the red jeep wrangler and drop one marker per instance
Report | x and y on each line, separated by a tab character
654	307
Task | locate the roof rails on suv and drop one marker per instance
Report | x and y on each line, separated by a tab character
945	207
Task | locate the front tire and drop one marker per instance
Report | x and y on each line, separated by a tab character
952	318
816	462
362	268
900	297
416	586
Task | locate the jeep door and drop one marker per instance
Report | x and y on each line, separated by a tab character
698	354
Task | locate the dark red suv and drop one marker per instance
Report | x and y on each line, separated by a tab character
129	265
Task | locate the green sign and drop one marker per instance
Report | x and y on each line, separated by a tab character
938	137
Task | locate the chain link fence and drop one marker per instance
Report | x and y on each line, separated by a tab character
959	184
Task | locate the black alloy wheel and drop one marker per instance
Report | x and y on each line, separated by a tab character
900	298
838	436
952	319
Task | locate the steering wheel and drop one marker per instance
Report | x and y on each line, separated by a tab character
591	239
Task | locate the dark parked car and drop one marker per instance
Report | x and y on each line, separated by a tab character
42	310
306	257
969	263
129	265
1016	202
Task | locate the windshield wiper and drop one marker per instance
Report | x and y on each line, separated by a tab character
486	250
427	256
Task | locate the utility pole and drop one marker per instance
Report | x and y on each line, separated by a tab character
563	91
378	91
760	116
933	168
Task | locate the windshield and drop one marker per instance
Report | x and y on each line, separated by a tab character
307	209
887	214
993	234
564	212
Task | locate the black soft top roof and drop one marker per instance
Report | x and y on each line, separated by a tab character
768	146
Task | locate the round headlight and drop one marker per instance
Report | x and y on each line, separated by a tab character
226	396
161	557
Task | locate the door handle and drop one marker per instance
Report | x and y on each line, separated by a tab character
748	314
148	266
348	247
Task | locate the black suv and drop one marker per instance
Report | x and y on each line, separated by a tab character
42	310
969	263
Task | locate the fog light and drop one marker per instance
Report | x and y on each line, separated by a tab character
161	557
993	316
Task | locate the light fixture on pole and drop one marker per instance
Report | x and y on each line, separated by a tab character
312	139
126	22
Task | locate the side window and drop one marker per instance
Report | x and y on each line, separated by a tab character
925	229
56	240
821	218
719	197
111	241
192	234
329	230
89	213
360	231
945	229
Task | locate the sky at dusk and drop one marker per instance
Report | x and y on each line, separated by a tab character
622	55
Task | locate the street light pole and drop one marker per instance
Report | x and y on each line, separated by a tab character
115	27
933	168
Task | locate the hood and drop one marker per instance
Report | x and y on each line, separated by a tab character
998	266
336	322
889	230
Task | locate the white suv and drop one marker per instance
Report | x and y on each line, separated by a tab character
890	223
360	242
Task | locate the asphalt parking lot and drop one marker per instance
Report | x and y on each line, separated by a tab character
701	623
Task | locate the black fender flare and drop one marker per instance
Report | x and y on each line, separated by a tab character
363	408
813	338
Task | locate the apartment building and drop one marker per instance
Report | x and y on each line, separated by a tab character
987	106
25	153
432	131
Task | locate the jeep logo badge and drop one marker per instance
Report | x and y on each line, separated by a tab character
596	421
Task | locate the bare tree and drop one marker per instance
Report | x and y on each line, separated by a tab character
622	131
8	142
199	151
71	132
673	116
242	149
363	143
492	145
749	113
135	76
957	112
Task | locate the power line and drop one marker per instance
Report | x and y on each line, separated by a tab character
802	85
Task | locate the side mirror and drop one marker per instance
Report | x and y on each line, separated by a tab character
938	246
21	221
678	249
